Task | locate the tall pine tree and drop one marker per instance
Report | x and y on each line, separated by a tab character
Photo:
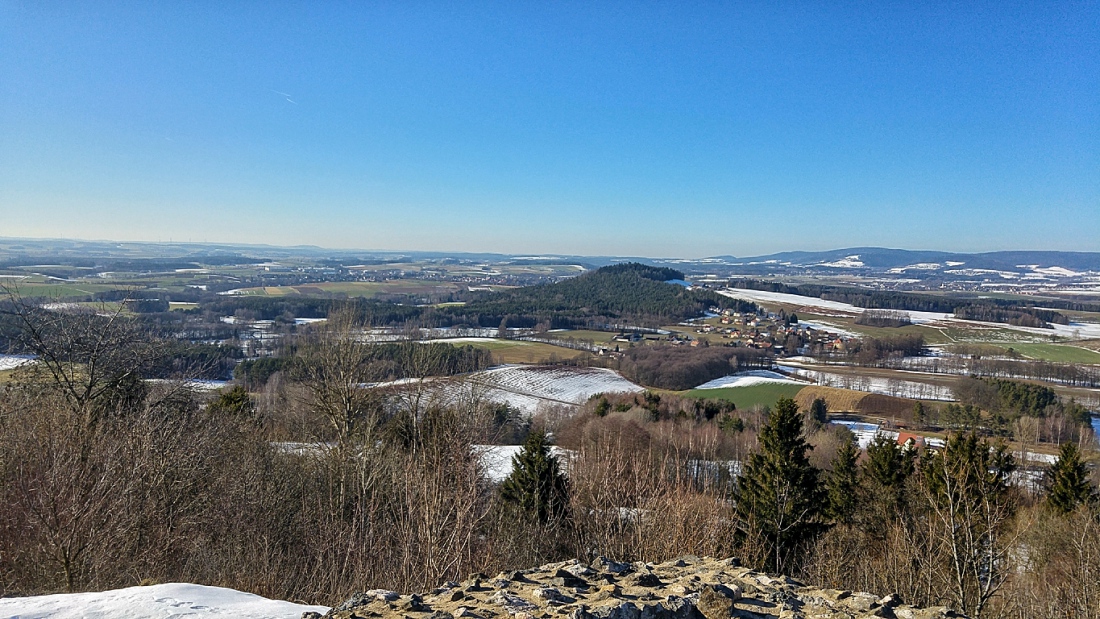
843	484
536	485
887	469
1068	481
779	499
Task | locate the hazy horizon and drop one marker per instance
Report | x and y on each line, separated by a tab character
446	251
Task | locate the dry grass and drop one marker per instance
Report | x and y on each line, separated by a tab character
848	401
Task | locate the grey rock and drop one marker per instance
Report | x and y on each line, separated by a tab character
603	564
714	604
511	603
622	610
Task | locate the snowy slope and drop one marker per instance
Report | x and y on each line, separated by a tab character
153	602
531	388
747	379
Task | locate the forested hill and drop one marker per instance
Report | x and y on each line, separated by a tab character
623	293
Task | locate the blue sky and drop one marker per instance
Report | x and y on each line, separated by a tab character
642	128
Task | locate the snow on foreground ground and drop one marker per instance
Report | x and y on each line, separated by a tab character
153	602
747	379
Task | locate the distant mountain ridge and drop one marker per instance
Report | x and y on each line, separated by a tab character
866	259
885	258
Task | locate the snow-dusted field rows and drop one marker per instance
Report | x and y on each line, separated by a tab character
568	385
746	379
884	386
530	388
154	602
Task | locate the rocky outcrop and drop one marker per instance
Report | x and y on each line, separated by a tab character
686	588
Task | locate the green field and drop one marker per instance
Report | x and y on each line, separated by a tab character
62	290
1059	353
516	351
764	394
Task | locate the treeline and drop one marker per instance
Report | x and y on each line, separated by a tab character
684	367
1025	411
884	318
288	308
389	361
874	350
1071	374
1021	317
990	310
628	293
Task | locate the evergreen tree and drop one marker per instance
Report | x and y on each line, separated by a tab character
843	484
536	485
1068	481
778	497
819	410
886	470
919	414
234	402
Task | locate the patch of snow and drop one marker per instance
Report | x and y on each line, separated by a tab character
920	266
60	307
746	379
790	299
883	386
865	432
1057	271
10	362
154	602
528	389
308	321
522	386
847	262
497	459
821	325
196	384
974	272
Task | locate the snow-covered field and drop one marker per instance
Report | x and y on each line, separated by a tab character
884	386
154	602
746	379
570	385
822	325
10	362
528	389
1074	330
